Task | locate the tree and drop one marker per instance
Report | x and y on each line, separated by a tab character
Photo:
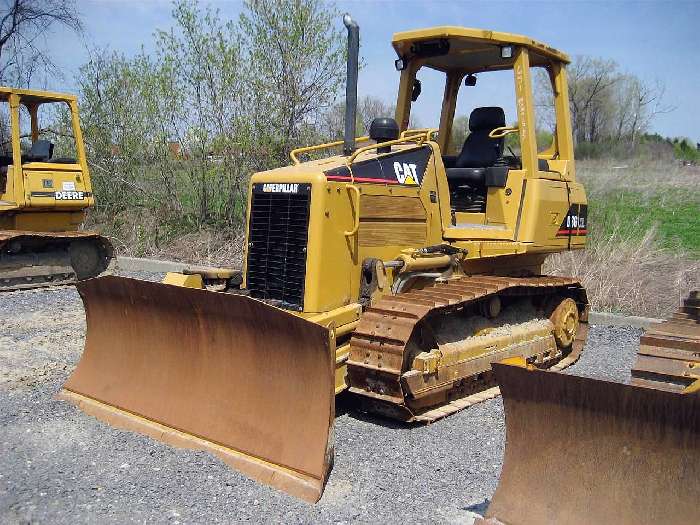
171	130
637	103
606	103
209	118
331	123
24	28
121	125
178	133
370	108
460	131
590	83
296	55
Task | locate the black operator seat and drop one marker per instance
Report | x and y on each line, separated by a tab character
479	150
41	151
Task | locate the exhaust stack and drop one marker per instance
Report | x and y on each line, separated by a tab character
351	83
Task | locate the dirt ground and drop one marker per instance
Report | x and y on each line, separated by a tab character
59	465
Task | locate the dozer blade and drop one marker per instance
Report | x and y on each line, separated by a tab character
669	352
206	370
581	450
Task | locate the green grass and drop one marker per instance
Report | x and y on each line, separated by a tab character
674	212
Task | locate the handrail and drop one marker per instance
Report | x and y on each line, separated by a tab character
499	133
306	149
419	131
356	224
414	135
418	138
409	135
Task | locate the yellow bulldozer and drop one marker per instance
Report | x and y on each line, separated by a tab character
397	270
45	191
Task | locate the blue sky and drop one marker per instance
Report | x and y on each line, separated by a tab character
654	40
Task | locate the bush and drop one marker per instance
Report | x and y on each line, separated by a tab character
643	249
172	138
629	275
684	150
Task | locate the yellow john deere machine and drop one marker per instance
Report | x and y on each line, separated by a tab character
397	270
44	197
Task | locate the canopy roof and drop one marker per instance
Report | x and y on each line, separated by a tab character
32	95
470	50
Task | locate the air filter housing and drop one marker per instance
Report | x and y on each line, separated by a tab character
383	129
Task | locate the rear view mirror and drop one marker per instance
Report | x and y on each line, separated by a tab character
416	90
470	80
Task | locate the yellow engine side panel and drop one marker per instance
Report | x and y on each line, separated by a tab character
391	220
545	205
46	187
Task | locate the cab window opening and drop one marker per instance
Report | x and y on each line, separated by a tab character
51	137
492	89
545	112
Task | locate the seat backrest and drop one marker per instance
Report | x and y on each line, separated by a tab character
480	151
42	150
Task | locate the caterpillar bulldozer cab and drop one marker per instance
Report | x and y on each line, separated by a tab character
482	179
394	269
45	191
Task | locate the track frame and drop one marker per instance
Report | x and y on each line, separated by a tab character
378	369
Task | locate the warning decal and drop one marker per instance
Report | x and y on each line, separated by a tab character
575	222
403	167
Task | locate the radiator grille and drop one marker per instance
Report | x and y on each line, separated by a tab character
277	239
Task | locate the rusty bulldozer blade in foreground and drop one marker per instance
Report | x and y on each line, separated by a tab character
249	382
581	450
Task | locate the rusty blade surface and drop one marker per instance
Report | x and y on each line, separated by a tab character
232	375
582	451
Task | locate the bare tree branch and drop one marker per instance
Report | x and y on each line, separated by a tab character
24	29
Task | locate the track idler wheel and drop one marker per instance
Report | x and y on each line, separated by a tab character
565	319
490	307
86	259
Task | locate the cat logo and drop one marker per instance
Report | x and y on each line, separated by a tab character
405	168
405	173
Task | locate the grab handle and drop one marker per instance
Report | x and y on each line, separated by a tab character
499	133
356	226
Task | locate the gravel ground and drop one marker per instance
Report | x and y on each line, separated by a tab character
60	466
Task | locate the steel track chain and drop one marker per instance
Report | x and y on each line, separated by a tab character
379	344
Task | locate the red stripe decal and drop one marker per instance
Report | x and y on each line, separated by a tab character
362	179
